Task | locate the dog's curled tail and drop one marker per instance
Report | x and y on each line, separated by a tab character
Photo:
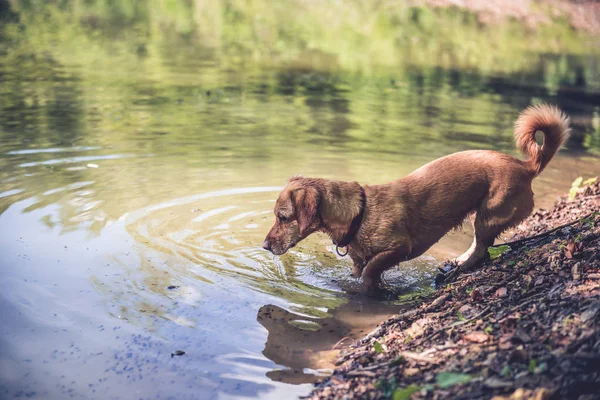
555	126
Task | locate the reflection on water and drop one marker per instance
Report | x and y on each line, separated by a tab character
136	187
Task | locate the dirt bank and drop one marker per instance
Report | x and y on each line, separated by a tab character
525	325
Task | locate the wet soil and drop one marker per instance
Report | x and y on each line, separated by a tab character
524	325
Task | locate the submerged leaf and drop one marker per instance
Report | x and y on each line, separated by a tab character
405	393
497	251
446	379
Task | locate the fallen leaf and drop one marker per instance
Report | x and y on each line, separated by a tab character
568	254
501	292
532	365
574	187
476	295
446	379
405	393
477	337
575	272
497	251
410	371
377	347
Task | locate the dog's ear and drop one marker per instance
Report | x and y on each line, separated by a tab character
306	205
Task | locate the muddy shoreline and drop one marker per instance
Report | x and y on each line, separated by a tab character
525	325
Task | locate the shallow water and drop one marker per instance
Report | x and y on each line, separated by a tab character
135	195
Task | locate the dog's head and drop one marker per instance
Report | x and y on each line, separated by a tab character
296	216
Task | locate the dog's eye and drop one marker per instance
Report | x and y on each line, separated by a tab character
283	218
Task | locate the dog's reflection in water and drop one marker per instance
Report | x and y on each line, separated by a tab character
307	345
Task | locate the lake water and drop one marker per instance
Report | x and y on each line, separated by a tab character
136	189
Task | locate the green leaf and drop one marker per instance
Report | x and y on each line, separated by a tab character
590	181
460	316
446	379
405	393
532	365
497	251
574	187
489	329
506	371
377	347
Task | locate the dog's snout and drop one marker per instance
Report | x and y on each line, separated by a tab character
266	245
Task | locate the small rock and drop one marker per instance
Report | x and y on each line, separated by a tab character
171	287
495	383
590	312
177	353
522	336
501	292
539	281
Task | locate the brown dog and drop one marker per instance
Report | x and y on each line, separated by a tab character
382	225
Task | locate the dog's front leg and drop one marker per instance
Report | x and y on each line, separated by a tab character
358	264
371	274
357	270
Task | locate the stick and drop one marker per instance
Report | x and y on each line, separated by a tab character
453	325
539	235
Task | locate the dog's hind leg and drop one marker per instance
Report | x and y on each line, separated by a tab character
490	221
465	256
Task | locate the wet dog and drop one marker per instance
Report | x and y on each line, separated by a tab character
383	225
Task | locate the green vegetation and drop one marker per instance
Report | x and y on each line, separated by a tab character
446	379
351	35
497	251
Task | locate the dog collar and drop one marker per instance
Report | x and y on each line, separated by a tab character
354	225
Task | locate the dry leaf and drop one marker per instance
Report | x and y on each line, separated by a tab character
477	337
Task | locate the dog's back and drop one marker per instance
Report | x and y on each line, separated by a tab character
493	185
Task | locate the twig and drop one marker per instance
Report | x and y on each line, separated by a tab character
453	325
417	357
340	341
513	309
359	372
539	235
